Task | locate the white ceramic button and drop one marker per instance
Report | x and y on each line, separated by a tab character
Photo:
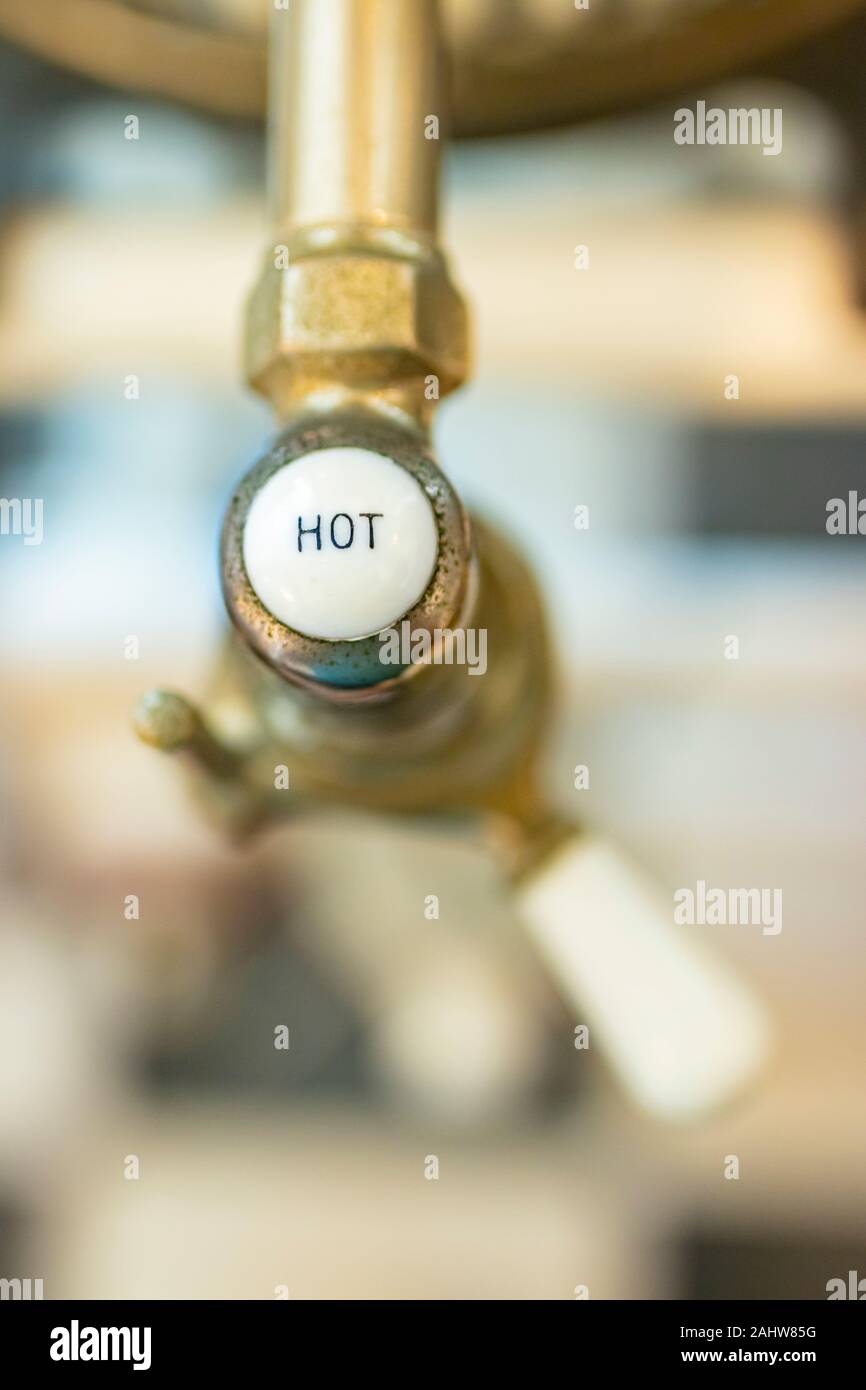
340	543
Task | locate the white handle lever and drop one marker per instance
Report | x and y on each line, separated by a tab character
679	1029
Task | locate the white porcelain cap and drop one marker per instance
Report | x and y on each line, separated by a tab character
340	543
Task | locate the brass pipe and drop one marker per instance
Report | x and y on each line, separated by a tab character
353	87
354	304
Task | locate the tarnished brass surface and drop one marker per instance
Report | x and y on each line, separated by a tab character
452	744
351	671
371	311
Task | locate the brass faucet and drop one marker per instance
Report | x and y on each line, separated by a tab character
355	330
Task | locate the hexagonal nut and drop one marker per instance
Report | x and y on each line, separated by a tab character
362	320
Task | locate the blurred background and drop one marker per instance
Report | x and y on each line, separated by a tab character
123	268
